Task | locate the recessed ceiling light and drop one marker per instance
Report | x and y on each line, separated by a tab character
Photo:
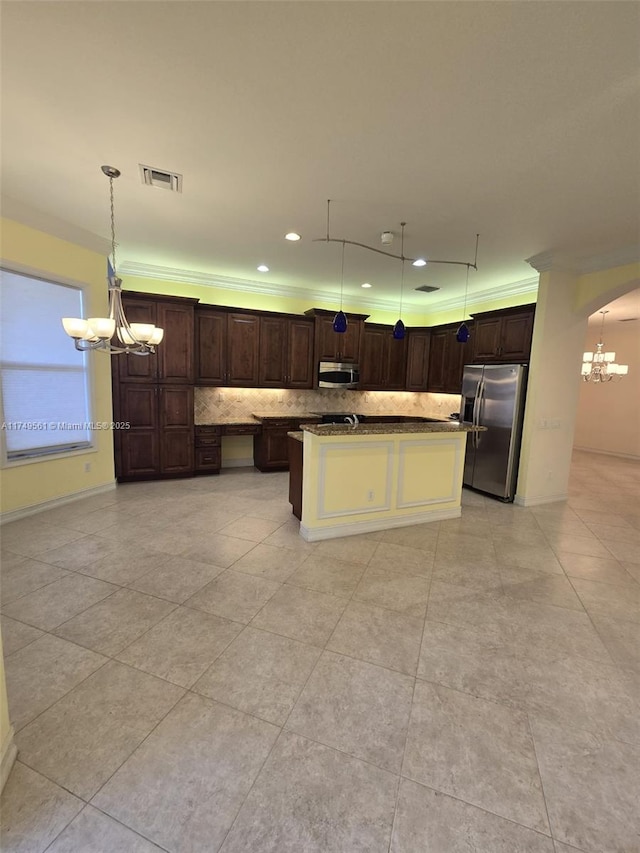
366	284
292	236
263	268
419	262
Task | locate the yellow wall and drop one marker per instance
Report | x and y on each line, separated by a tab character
211	295
22	486
590	288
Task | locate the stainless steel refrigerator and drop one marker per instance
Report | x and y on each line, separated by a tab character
493	396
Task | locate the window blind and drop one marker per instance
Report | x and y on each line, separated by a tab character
44	380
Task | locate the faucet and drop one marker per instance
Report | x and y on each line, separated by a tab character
352	420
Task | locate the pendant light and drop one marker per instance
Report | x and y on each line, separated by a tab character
340	320
398	329
462	335
97	333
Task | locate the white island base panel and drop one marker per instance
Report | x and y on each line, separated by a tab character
354	483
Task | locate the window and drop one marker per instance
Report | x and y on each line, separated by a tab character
43	379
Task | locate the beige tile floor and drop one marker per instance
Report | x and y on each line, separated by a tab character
186	674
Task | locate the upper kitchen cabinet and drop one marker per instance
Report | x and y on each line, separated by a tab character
227	347
211	346
383	359
447	358
173	361
243	349
504	335
336	346
418	343
286	352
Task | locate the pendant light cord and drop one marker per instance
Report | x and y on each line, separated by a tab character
113	226
402	224
466	288
342	276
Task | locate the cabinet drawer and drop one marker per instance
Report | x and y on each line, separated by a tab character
208	430
241	429
207	458
280	423
207	441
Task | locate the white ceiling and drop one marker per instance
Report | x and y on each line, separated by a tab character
520	121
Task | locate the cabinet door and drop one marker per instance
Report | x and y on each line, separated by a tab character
417	360
300	354
139	368
457	356
338	346
273	352
373	361
211	347
243	341
486	339
396	362
271	449
175	353
437	379
515	343
176	430
139	454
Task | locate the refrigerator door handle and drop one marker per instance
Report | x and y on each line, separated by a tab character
476	413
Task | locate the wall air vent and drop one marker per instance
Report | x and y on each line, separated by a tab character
158	178
426	288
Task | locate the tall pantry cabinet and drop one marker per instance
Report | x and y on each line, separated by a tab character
154	393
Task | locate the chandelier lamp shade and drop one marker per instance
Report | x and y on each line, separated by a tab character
600	366
340	319
113	334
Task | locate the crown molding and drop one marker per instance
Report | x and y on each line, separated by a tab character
567	262
23	213
527	286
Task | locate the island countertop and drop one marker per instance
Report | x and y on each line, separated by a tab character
388	429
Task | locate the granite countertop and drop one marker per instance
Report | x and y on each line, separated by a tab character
248	420
297	435
294	416
388	429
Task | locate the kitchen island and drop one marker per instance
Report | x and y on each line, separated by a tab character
377	476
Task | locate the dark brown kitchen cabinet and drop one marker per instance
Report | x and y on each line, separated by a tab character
207	449
447	358
418	344
271	446
154	393
336	346
211	346
243	349
504	335
382	359
173	360
286	352
159	440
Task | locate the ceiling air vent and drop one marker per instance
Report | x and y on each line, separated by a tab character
158	178
426	288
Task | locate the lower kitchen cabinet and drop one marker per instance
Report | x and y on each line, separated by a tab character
208	456
271	445
159	441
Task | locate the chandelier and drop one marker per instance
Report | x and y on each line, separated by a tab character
97	333
340	320
601	366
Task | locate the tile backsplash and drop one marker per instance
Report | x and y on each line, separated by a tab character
213	404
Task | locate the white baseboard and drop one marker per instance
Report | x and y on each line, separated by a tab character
536	500
23	512
9	754
356	527
238	463
633	456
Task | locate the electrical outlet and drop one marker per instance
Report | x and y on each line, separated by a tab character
87	467
370	495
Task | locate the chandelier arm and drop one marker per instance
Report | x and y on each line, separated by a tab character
388	254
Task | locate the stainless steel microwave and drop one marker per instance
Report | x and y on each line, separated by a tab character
333	374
